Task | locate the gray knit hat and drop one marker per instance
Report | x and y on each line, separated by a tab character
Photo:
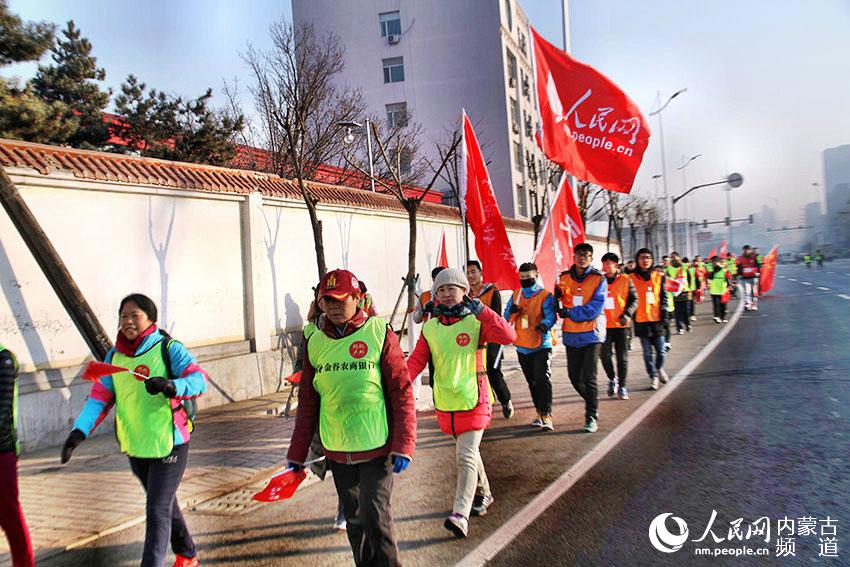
451	276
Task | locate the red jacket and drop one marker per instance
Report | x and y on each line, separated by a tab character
494	329
398	396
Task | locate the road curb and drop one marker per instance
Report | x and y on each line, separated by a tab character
488	549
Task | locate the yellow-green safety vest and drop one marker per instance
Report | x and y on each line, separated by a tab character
352	410
453	352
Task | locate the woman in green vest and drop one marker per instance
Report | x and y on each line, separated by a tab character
719	280
11	514
152	421
454	339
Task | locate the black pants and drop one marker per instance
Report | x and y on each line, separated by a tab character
618	339
719	306
164	521
665	319
365	490
683	318
537	369
494	373
581	367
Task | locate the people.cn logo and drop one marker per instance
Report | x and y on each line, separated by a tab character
143	370
358	349
462	339
662	539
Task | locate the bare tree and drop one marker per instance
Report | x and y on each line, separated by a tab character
300	108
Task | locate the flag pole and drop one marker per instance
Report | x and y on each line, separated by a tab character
461	190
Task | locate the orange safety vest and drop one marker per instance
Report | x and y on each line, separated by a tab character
646	311
423	300
583	291
615	303
487	297
525	320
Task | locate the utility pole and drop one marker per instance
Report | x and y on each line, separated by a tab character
54	269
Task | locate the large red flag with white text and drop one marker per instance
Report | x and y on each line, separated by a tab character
482	214
565	229
588	125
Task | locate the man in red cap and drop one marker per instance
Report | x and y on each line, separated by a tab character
355	388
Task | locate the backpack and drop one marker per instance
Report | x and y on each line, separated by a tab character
188	406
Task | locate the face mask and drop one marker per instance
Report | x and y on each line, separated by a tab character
527	283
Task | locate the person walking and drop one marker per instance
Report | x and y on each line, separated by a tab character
819	258
153	421
719	282
620	306
356	390
649	325
11	513
678	271
749	268
489	296
531	311
581	292
425	304
454	339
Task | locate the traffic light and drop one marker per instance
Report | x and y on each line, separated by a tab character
751	219
728	221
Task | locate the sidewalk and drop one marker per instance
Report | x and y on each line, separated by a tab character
240	444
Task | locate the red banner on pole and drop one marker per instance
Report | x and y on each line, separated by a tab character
712	254
482	214
588	125
768	271
442	255
566	231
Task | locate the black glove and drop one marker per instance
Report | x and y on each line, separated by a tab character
428	308
514	308
156	385
563	312
72	442
294	466
624	320
474	305
540	327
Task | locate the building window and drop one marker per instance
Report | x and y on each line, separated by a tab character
394	70
522	42
514	115
405	161
390	23
518	156
512	68
521	201
397	115
509	14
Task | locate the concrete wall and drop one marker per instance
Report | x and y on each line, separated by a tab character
231	275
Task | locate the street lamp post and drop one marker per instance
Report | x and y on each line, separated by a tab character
349	139
688	239
667	196
657	251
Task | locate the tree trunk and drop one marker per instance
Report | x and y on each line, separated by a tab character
412	210
318	239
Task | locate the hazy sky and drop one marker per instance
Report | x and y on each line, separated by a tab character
768	81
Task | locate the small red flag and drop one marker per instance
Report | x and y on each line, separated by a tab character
442	254
281	486
589	126
712	254
95	370
723	249
674	286
294	378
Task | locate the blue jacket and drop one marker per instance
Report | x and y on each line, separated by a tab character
549	316
190	381
590	311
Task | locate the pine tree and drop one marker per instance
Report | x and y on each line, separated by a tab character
19	41
73	81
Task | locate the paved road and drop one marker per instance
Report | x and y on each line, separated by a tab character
760	429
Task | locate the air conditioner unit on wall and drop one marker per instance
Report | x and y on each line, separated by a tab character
393	38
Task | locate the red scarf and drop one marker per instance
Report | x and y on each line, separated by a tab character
126	346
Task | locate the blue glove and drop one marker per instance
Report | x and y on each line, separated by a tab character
400	463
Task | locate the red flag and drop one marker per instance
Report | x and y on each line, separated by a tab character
674	286
95	370
768	271
568	231
723	249
442	255
482	213
294	378
712	254
588	125
281	486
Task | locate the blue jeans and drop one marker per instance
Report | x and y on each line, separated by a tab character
657	343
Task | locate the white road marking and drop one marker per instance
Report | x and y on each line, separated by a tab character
781	277
791	280
823	288
501	538
843	296
806	283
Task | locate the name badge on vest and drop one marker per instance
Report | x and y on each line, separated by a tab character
609	303
524	322
650	298
578	300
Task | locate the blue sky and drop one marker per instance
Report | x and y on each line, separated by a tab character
768	82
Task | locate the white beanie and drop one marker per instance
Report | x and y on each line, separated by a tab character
451	276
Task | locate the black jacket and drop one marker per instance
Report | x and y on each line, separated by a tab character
8	375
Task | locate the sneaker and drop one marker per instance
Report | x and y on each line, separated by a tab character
717	319
590	426
612	388
754	308
663	375
480	504
547	424
457	524
680	332
725	320
747	307
653	384
538	422
181	561
623	394
693	317
668	347
508	409
340	523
